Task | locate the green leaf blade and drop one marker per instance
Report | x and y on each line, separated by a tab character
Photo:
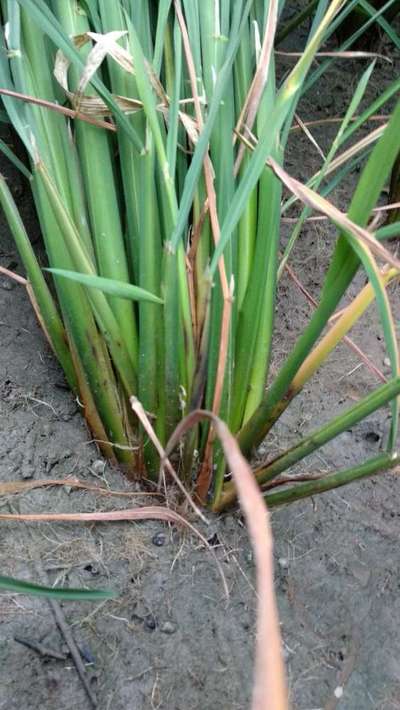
10	584
110	286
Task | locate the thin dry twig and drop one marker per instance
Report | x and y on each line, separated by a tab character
151	512
137	407
13	487
13	275
65	630
24	282
338	119
310	136
285	479
40	648
354	149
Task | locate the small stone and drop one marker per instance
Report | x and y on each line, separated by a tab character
7	284
87	654
159	539
213	540
98	466
283	562
372	437
326	100
66	454
338	692
15	456
150	622
361	572
94	571
27	472
168	627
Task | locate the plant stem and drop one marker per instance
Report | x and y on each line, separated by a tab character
312	442
382	462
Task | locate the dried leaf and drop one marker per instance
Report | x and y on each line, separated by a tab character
13	487
269	691
104	45
251	105
93	105
108	44
319	203
165	462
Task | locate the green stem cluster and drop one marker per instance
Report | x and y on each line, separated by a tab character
163	233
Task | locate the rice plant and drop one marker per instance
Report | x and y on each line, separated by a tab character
156	136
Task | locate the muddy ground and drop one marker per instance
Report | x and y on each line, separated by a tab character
170	640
